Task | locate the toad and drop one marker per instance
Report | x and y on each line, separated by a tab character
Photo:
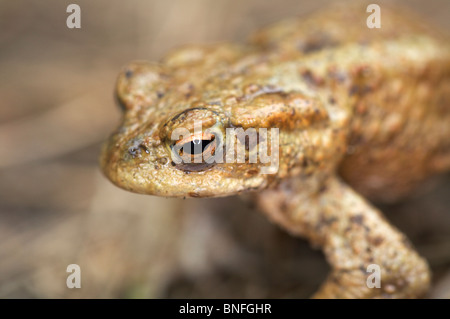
343	114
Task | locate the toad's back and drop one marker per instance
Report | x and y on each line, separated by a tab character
395	82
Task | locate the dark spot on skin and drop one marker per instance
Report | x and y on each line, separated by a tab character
128	74
355	141
172	163
162	160
366	89
159	95
325	222
331	100
193	194
317	42
305	162
252	172
283	207
335	279
322	188
377	241
309	77
357	219
190	89
359	90
353	90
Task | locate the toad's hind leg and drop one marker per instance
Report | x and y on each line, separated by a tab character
353	235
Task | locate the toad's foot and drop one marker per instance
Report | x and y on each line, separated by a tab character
353	235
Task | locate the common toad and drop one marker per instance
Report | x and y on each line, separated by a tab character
362	115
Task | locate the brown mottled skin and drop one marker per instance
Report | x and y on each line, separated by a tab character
362	113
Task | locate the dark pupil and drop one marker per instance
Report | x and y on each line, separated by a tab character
195	147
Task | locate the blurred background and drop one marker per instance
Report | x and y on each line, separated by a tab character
56	209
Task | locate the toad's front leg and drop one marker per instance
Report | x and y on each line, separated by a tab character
352	234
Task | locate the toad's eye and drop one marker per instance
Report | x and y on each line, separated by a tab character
197	148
